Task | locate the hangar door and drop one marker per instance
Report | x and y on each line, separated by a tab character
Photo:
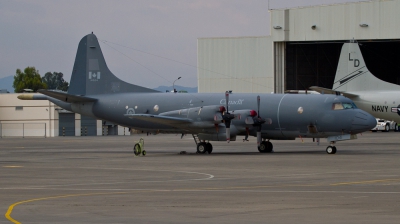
315	63
66	124
88	126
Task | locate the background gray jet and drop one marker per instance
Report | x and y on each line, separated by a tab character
95	91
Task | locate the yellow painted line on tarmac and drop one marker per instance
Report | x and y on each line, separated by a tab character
12	166
366	182
10	209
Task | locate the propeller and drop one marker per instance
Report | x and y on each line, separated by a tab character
258	121
254	119
227	117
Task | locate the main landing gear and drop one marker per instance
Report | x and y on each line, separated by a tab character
206	147
331	149
203	147
265	146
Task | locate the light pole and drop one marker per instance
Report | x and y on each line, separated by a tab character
173	84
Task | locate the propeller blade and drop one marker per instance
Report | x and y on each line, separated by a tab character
260	124
227	101
228	134
227	118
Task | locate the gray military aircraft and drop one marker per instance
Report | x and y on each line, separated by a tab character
95	91
355	81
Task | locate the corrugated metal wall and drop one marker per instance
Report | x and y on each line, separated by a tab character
243	64
338	22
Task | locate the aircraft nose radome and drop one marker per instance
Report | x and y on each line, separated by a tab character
363	121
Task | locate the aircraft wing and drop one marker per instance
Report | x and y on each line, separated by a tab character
69	98
331	91
165	120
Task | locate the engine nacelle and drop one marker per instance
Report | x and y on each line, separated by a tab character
243	119
211	114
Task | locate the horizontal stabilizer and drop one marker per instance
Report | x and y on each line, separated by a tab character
65	96
157	119
330	91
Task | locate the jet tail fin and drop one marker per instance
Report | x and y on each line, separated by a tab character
91	76
352	73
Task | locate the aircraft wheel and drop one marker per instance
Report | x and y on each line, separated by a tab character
265	147
209	147
136	149
269	146
202	148
387	128
331	149
144	152
261	147
396	128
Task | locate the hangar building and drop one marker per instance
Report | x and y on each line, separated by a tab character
303	49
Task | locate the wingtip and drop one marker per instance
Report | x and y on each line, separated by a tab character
25	97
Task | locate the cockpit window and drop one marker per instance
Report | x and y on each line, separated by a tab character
342	106
337	106
348	106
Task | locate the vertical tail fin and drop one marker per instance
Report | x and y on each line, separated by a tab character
91	75
353	75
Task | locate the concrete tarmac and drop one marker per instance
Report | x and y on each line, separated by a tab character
99	180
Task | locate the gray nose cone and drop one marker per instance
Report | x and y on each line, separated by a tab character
362	121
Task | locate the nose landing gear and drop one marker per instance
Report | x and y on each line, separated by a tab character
331	149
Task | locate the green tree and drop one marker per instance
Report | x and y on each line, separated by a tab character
55	80
29	79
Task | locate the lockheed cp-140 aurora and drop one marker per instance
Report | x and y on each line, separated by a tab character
95	91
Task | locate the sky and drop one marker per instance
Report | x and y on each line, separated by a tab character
145	42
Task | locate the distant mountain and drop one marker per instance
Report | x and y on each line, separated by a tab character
178	88
6	83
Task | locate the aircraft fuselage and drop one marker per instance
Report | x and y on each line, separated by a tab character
380	104
292	115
